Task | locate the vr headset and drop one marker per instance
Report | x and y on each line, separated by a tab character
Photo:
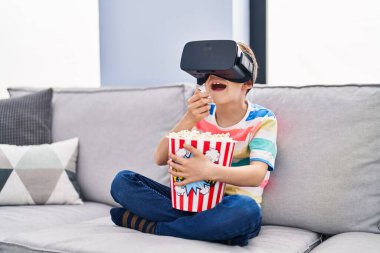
221	58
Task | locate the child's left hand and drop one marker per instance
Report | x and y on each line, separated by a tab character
193	169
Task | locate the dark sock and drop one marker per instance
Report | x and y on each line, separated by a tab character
123	217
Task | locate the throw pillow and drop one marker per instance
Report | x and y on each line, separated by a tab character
26	120
39	174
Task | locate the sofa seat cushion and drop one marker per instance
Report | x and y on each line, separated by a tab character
29	218
352	242
101	235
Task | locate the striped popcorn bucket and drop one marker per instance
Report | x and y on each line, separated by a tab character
202	195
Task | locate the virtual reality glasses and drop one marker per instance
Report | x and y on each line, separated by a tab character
221	58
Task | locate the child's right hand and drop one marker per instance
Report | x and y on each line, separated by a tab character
198	106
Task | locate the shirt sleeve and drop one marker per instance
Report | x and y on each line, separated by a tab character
263	145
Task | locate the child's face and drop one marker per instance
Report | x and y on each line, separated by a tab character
223	91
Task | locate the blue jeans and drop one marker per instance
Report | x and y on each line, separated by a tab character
237	216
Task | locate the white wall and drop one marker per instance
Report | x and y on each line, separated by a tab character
142	40
49	43
240	21
323	41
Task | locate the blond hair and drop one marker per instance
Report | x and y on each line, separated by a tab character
246	49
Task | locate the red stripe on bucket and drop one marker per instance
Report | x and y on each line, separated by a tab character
173	191
210	197
200	202
191	195
231	155
181	142
218	147
212	189
226	155
181	202
219	191
190	206
206	146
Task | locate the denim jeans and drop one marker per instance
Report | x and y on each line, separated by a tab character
236	216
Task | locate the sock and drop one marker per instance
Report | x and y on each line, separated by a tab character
123	217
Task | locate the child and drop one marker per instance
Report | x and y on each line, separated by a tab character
147	204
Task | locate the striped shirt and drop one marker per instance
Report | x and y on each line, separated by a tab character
256	137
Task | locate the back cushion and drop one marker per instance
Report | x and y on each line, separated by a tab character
26	120
327	176
118	129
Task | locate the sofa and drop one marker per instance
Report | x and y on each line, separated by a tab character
323	197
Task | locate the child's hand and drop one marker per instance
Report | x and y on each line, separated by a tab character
193	169
197	106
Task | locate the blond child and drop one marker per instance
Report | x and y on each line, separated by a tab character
237	218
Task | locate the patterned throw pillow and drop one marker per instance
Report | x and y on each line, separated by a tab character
39	174
26	120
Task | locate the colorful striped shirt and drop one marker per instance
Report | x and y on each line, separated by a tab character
256	137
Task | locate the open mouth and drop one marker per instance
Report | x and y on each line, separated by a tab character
218	86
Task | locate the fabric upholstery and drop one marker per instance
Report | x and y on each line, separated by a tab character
352	242
20	219
26	120
101	235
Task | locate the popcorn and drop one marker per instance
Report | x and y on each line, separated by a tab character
206	194
197	135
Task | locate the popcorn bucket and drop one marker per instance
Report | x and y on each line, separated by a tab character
202	195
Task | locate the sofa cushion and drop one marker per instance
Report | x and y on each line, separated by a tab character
352	242
118	128
18	219
26	120
101	235
328	164
39	174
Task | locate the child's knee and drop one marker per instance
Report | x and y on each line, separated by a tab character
247	209
120	181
